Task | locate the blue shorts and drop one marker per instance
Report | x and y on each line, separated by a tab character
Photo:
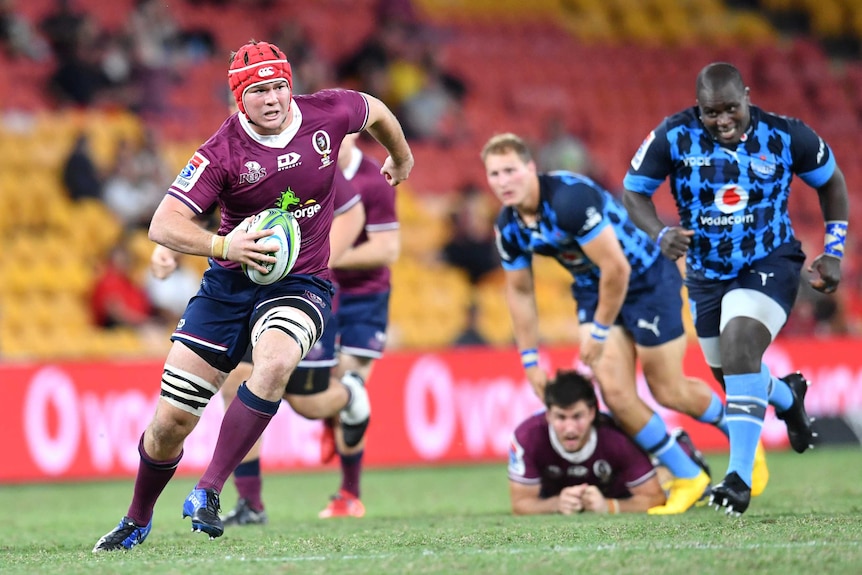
362	321
652	310
776	276
217	321
357	328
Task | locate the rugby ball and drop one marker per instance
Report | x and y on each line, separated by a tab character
284	243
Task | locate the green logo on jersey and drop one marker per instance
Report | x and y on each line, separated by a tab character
287	200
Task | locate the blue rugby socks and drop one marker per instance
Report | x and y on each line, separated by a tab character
655	439
746	407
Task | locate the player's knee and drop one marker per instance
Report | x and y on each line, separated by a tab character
170	427
669	396
619	398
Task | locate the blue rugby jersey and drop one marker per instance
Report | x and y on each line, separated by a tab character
572	211
734	199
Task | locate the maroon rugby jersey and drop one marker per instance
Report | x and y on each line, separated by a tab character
378	198
610	460
245	173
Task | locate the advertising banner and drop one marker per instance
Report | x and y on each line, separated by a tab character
76	421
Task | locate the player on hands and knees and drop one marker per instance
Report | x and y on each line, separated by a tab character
572	459
730	166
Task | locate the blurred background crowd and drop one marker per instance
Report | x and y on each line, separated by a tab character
102	103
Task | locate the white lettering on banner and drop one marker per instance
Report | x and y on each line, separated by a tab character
113	425
52	447
57	418
487	410
290	439
430	429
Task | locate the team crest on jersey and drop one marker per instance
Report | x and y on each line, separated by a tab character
602	470
190	174
322	144
731	198
763	166
254	174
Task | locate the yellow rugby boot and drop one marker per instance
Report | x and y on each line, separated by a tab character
760	471
684	493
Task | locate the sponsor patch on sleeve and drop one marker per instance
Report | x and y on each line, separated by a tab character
190	174
639	155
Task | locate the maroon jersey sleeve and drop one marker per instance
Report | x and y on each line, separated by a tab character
526	443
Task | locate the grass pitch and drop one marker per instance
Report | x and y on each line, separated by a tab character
449	520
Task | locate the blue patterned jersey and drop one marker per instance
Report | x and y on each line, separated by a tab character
573	210
734	199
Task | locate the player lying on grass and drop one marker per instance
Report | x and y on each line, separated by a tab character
571	458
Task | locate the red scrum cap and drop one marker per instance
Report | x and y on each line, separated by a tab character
257	63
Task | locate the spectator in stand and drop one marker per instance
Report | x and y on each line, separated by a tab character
17	37
117	300
135	186
432	110
155	38
471	247
562	150
80	175
63	28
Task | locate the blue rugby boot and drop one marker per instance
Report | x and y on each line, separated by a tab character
202	505
124	536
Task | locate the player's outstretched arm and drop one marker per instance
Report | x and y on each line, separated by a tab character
385	128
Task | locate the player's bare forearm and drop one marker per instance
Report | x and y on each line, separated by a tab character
173	227
381	249
834	199
641	210
526	501
385	128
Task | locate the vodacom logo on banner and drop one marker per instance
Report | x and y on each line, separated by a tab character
84	420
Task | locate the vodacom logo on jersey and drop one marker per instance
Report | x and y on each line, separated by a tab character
729	200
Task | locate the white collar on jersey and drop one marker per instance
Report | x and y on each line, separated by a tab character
278	140
579	456
353	166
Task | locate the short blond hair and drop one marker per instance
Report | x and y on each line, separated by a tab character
508	142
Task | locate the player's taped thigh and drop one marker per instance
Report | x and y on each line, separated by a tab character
185	390
748	303
296	322
753	304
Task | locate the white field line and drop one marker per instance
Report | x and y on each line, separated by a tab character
562	549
